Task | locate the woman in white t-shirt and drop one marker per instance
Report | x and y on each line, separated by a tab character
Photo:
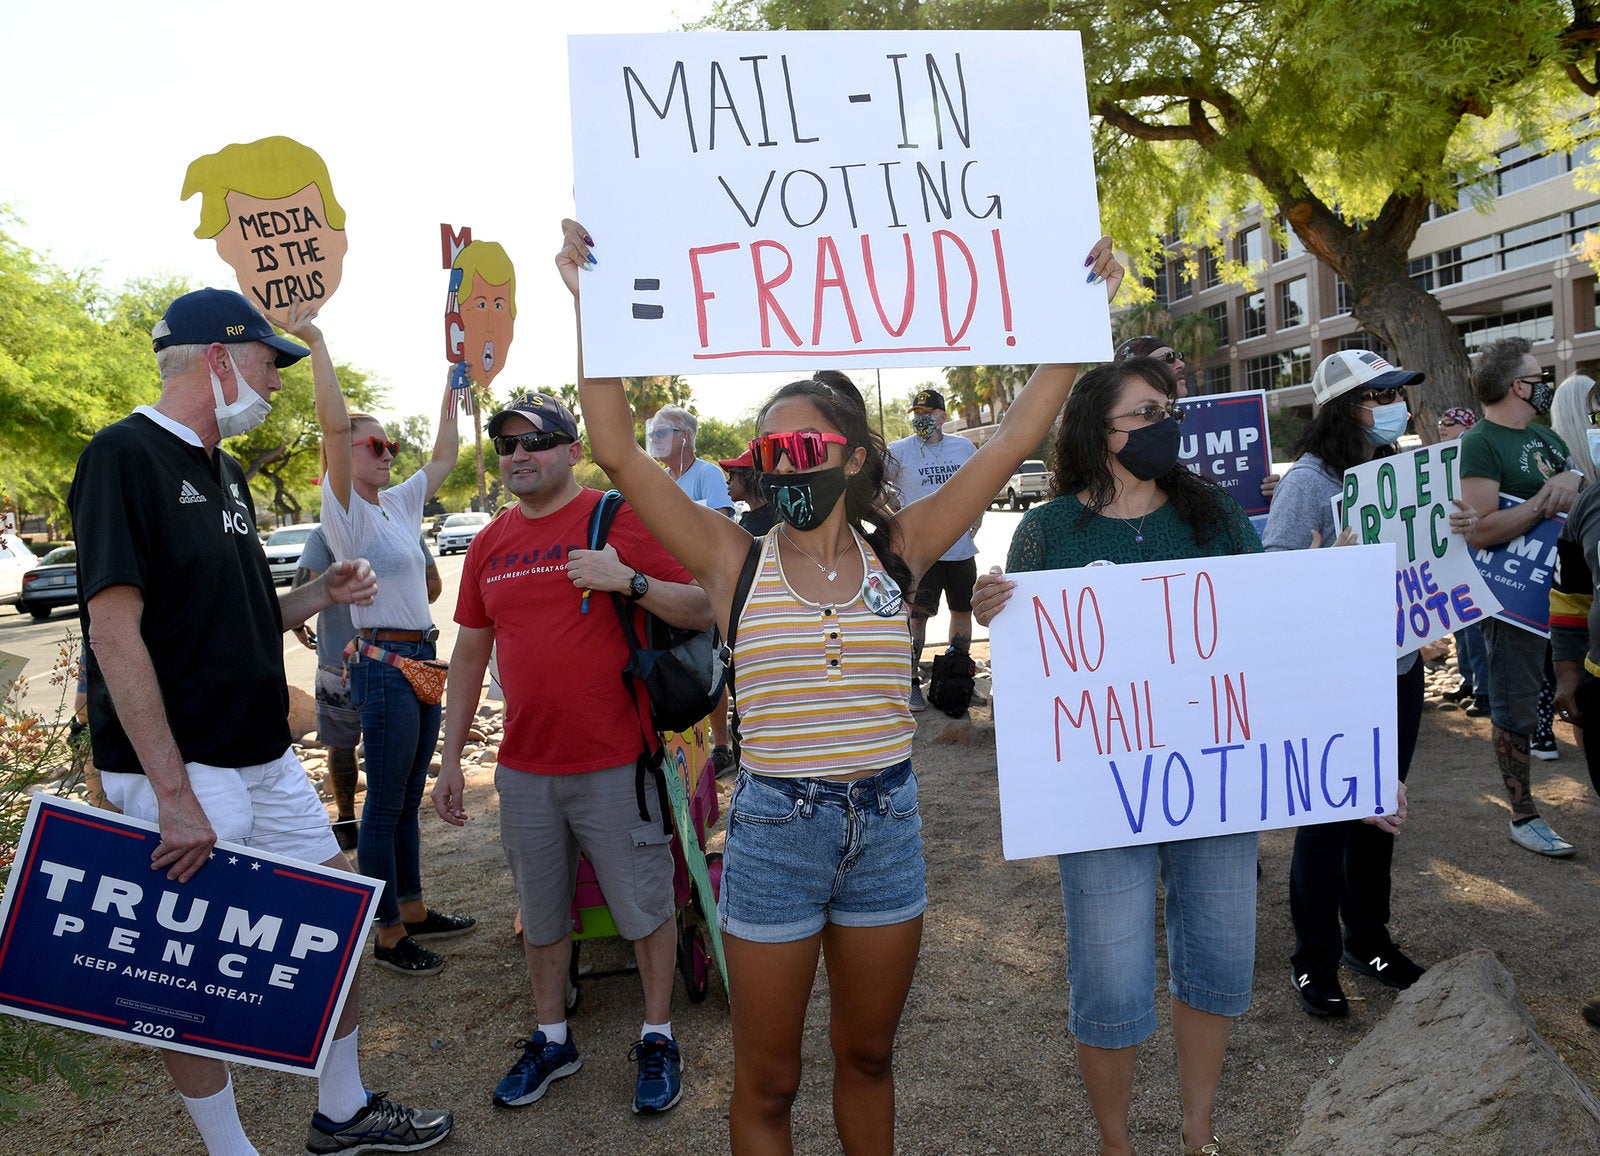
363	516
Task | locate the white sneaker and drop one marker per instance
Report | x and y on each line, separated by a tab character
1536	836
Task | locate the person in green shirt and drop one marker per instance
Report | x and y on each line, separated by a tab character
1508	452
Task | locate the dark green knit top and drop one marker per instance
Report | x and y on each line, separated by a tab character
1049	538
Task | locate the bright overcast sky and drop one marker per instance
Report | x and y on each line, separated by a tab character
424	114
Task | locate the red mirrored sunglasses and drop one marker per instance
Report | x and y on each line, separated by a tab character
378	445
804	449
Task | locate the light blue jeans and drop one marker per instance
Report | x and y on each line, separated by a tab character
1110	902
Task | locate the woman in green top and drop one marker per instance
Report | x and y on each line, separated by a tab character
1124	498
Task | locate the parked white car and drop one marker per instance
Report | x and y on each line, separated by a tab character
458	530
284	547
15	561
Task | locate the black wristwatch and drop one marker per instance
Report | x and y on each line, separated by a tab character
638	586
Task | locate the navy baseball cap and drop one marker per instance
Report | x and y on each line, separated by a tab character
546	413
220	315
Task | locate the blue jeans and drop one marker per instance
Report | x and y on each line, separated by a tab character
1110	902
804	852
400	733
1472	659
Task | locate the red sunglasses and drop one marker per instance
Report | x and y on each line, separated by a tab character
804	449
378	445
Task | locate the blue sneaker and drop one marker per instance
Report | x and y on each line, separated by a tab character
542	1063
660	1073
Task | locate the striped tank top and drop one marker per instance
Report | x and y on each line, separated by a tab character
822	689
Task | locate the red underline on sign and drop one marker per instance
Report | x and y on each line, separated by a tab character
237	1046
830	352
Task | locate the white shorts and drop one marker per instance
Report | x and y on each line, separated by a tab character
266	807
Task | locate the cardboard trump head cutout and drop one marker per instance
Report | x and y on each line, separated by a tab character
487	303
270	206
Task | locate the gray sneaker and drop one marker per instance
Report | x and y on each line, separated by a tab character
918	703
382	1126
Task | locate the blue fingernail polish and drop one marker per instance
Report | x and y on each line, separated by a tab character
593	260
1091	278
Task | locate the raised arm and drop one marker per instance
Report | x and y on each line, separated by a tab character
708	544
446	446
333	415
925	529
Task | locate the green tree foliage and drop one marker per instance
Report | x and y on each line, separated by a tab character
719	440
1349	121
72	359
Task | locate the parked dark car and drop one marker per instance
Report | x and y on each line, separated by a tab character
50	585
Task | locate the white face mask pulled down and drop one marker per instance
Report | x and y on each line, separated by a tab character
248	410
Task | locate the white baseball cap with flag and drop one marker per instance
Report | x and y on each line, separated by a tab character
1348	369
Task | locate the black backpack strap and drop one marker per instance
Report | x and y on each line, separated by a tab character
741	595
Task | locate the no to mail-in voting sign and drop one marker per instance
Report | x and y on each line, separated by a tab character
779	200
1142	704
251	960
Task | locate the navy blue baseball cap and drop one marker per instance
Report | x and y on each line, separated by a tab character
209	315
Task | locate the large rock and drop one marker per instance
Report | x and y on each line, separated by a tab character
1456	1066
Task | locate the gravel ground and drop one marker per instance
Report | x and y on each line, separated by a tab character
984	1062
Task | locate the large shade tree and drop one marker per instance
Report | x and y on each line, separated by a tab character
1348	120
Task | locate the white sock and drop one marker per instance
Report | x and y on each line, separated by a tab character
217	1118
660	1030
340	1092
555	1033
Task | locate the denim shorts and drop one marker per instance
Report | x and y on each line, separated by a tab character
1210	915
805	852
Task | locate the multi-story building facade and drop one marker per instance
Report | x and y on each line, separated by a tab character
1505	263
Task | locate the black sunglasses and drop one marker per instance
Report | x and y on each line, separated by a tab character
531	443
1383	396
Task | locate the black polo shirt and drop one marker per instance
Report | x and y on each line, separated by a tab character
154	512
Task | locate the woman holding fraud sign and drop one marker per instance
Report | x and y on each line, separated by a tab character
363	516
1123	497
824	850
1340	871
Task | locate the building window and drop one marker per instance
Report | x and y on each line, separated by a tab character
1182	283
1157	281
1255	316
1279	370
1290	247
1218	379
1210	275
1343	298
1520	167
1536	323
1421	271
1530	244
1250	249
1218	316
1292	303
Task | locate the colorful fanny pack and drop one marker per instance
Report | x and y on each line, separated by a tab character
426	675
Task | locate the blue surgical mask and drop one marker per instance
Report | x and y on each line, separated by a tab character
1388	423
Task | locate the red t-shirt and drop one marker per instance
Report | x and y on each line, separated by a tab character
567	710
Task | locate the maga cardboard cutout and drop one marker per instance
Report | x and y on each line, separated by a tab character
270	206
480	309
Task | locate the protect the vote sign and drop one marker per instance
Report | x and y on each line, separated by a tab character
251	960
1224	438
1407	499
1178	700
791	200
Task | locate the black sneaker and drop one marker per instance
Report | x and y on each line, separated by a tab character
721	761
440	926
1591	1010
408	957
382	1126
1320	993
348	833
1479	707
1387	964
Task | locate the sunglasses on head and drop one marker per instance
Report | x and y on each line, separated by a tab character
804	449
532	443
1383	396
378	446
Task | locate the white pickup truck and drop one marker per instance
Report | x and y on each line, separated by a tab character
1030	484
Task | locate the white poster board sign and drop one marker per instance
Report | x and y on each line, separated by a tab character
1407	499
794	200
1176	700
